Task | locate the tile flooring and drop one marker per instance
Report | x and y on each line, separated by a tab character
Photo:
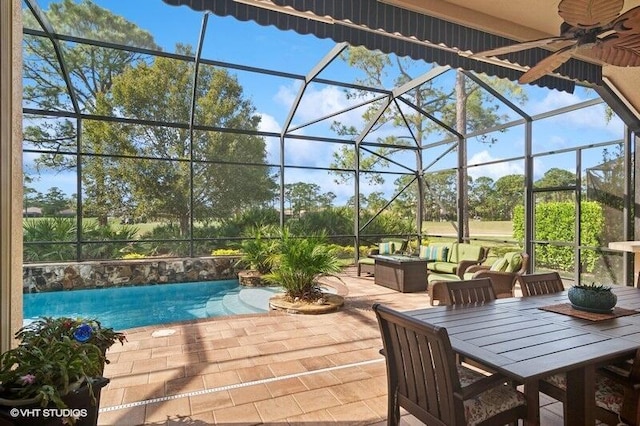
273	368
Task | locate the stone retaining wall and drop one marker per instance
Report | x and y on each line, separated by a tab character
118	273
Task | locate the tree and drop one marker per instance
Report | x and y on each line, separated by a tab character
439	195
509	192
161	183
376	201
91	70
557	178
29	194
465	108
306	197
54	201
482	199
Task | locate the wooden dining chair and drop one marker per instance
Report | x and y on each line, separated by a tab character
617	392
424	378
541	283
468	291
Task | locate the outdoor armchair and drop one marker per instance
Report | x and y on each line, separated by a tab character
504	272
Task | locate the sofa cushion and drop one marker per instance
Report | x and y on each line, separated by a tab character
468	276
463	251
444	267
433	277
435	252
500	265
514	259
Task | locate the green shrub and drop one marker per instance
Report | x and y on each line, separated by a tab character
226	252
106	237
555	221
49	239
343	252
46	232
134	256
330	221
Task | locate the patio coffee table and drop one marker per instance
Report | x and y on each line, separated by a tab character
406	274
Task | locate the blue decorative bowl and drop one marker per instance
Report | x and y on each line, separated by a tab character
585	299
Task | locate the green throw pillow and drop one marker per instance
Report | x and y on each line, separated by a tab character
499	265
515	261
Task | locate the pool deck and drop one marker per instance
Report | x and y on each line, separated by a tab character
263	368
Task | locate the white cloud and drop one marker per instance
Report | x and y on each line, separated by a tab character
553	100
317	103
269	124
549	142
591	117
301	152
494	171
497	170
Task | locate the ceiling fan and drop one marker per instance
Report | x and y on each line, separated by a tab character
593	29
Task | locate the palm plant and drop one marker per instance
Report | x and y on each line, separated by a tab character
258	251
49	234
299	264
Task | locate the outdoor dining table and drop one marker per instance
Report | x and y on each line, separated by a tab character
521	339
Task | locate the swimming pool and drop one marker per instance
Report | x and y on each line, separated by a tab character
129	307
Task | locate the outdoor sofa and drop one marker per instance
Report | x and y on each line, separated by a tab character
452	258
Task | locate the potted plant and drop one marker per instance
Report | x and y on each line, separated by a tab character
44	329
297	266
257	254
55	373
592	298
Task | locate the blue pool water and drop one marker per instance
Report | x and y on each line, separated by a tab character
128	307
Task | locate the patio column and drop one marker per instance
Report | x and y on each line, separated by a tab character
10	170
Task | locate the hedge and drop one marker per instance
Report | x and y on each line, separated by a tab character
555	221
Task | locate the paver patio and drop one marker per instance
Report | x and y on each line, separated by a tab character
269	368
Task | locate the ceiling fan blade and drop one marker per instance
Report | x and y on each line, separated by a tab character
548	41
589	13
616	50
547	65
628	22
622	47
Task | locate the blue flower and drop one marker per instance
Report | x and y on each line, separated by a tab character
83	333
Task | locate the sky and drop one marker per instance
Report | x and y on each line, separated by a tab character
247	43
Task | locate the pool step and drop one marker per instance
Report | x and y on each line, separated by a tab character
257	297
248	300
232	304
